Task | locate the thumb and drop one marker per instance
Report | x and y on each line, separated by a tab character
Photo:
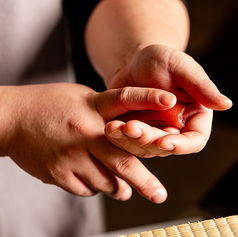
196	82
115	102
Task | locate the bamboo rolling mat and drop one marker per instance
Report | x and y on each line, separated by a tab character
220	227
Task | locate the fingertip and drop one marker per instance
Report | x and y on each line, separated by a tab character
227	103
159	196
166	146
126	195
108	127
116	134
167	99
113	128
212	98
132	131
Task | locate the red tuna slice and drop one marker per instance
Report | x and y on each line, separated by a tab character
173	117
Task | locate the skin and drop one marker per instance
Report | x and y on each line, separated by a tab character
59	137
145	49
58	132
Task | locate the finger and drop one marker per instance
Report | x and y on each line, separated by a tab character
193	139
69	182
87	176
130	169
78	186
99	178
113	103
148	137
196	82
172	130
135	137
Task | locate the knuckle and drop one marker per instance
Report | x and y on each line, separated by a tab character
77	126
125	143
145	142
121	139
106	187
63	179
126	166
148	185
122	95
144	154
58	175
152	95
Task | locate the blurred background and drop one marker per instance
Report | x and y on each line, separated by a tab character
202	184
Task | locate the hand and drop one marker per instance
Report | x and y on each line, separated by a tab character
159	66
57	135
146	141
162	67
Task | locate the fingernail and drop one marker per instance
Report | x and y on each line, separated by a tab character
167	98
159	196
126	195
166	146
116	134
134	133
225	98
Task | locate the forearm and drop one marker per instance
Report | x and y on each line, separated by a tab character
8	117
118	29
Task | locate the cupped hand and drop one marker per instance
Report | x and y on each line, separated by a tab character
159	66
143	140
58	136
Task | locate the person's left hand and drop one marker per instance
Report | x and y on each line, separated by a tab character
146	141
159	66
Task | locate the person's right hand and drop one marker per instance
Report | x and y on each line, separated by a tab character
55	132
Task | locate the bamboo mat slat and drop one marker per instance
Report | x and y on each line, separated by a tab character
220	227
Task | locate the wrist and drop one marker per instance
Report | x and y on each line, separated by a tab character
122	28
